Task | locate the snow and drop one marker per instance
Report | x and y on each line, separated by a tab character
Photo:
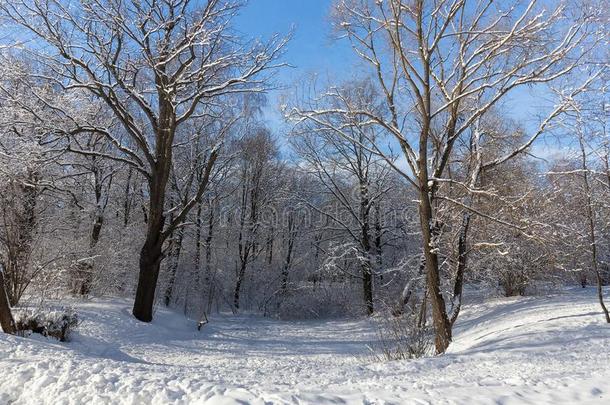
553	349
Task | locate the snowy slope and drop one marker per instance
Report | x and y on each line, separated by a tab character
510	351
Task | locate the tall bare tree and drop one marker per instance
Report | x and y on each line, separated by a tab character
256	168
439	66
354	177
156	65
586	121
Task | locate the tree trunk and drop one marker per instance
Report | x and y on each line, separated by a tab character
237	291
151	255
592	235
442	325
209	286
462	255
20	238
6	316
367	271
365	242
378	242
367	288
127	198
87	268
423	316
288	262
174	262
269	247
407	292
175	245
196	269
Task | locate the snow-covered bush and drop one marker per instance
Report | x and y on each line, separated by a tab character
56	323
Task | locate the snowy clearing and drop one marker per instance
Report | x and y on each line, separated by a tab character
552	349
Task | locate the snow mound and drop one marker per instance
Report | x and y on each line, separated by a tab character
511	351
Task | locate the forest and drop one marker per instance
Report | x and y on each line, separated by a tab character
157	168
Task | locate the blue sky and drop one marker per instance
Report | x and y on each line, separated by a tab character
314	49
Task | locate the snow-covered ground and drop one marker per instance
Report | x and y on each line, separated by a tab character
511	351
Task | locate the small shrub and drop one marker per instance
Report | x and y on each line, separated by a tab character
58	324
399	338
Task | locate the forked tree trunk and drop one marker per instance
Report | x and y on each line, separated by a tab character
407	292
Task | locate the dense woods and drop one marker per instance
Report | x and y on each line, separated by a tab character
136	159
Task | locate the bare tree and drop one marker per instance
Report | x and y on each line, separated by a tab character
255	170
440	66
24	162
353	175
156	65
94	174
583	122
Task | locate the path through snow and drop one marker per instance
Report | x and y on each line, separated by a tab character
526	350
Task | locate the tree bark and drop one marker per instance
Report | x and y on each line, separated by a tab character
209	287
127	198
88	267
365	242
196	269
367	274
7	322
175	261
269	247
378	241
237	291
151	254
290	246
462	256
442	325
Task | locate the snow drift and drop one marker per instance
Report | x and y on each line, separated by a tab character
553	349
